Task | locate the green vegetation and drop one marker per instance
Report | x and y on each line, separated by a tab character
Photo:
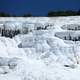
63	13
50	14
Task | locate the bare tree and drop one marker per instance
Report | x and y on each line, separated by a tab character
74	48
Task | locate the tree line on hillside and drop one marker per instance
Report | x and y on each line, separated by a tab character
63	13
72	38
4	14
50	14
9	33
